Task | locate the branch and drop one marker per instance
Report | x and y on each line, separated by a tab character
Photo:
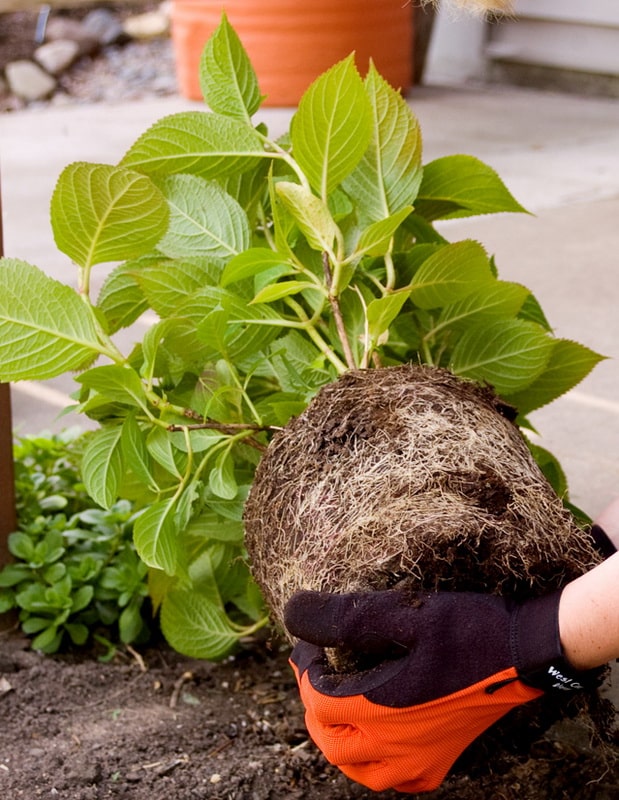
227	427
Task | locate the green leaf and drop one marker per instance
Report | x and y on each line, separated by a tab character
102	466
48	641
507	354
197	627
382	312
7	601
221	478
77	632
130	623
12	574
160	447
451	273
21	545
568	364
204	220
310	213
331	130
462	186
155	537
211	525
228	325
284	289
551	468
532	311
227	77
120	299
103	213
388	177
82	598
170	282
134	451
253	262
45	328
284	227
492	301
201	440
115	382
376	239
198	143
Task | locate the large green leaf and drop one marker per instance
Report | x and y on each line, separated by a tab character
388	177
103	213
167	284
507	354
102	465
462	186
494	300
118	383
120	299
155	537
45	328
225	323
568	364
197	627
331	130
195	142
204	220
227	77
451	273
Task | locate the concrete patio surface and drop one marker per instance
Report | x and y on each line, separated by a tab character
558	154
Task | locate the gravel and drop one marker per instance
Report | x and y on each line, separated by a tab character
129	70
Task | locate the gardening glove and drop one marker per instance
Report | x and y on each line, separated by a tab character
444	667
601	541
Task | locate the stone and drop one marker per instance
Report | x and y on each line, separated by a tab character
149	25
104	25
28	80
56	57
66	28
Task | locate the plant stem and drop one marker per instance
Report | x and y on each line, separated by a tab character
309	327
337	314
390	270
275	151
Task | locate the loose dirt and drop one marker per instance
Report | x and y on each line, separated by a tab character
157	726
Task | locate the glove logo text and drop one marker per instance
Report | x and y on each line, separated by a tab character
563	682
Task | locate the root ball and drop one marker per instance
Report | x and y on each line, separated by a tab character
407	473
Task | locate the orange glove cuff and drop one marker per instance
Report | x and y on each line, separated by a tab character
418	744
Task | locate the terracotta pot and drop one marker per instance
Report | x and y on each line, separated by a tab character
291	42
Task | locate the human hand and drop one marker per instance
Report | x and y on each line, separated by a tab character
447	666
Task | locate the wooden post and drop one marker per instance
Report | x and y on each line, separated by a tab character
8	515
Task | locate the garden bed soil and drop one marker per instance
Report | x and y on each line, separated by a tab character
155	725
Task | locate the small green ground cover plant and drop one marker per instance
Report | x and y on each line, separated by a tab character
76	577
273	266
